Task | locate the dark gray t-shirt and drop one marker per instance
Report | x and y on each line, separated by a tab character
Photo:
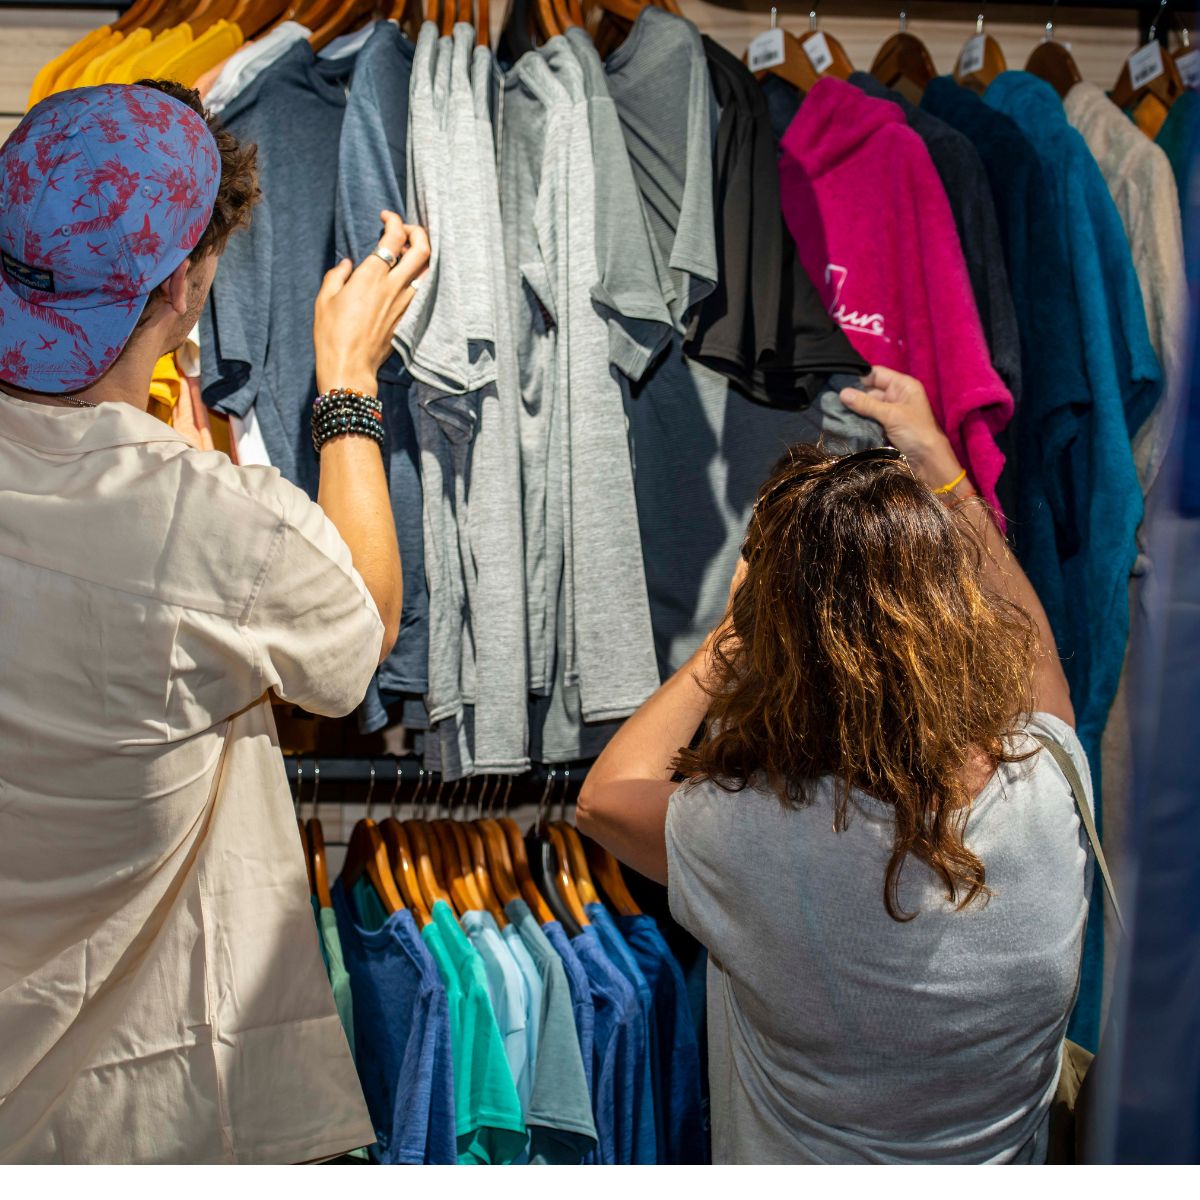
372	160
838	1035
256	328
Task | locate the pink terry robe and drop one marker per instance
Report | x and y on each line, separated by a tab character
875	233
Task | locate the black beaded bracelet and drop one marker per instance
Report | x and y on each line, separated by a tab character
342	412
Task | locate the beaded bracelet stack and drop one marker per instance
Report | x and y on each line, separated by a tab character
340	412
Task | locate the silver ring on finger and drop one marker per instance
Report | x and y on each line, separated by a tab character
387	256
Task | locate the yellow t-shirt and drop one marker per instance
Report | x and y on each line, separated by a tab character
211	47
70	75
43	83
100	69
165	389
147	64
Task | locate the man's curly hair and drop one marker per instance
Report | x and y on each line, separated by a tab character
238	192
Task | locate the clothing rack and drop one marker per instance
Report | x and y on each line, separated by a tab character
400	781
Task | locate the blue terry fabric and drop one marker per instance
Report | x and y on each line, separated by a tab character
679	1115
619	1042
645	1132
372	175
1086	471
581	996
402	1033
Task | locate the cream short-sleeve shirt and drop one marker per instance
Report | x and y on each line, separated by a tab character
162	996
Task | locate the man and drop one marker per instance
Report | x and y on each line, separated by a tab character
162	997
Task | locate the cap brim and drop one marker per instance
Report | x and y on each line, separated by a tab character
54	351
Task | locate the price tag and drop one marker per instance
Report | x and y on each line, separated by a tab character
1145	64
971	58
817	49
1189	68
766	50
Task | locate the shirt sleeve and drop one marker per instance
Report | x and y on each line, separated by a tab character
969	399
315	630
702	883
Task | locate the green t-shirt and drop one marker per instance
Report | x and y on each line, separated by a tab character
490	1124
335	966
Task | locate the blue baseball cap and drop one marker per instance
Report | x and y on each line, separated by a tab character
104	191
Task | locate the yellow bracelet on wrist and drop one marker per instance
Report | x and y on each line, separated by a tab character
949	487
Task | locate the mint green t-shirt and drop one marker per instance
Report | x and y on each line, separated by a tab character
335	967
490	1124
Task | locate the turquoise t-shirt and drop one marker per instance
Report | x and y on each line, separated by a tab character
1176	137
490	1124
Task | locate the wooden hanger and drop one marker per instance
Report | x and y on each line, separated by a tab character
136	15
563	879
347	15
459	880
979	77
1149	103
429	872
499	861
577	859
795	69
904	63
483	874
841	67
607	872
1054	62
404	868
1184	49
253	17
312	887
320	864
206	13
167	16
365	855
521	871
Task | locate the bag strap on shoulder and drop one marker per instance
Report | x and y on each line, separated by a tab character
1068	768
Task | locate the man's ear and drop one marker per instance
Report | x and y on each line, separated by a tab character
174	287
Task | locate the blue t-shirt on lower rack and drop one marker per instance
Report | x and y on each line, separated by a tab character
402	1030
678	1092
645	1132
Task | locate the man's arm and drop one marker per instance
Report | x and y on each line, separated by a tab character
356	311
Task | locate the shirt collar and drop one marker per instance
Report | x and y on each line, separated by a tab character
79	430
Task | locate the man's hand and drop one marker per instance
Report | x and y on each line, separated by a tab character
357	308
899	403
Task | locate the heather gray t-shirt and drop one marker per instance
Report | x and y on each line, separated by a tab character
838	1035
609	648
465	413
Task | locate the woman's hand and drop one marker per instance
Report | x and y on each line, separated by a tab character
357	308
899	403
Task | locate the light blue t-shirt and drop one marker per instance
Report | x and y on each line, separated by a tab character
509	994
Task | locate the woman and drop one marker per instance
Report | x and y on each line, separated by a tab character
888	872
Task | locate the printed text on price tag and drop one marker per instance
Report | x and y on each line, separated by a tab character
766	50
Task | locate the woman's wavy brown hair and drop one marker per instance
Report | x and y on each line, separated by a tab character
864	645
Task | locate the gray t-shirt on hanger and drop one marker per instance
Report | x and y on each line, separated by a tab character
838	1035
701	449
468	435
527	131
609	647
